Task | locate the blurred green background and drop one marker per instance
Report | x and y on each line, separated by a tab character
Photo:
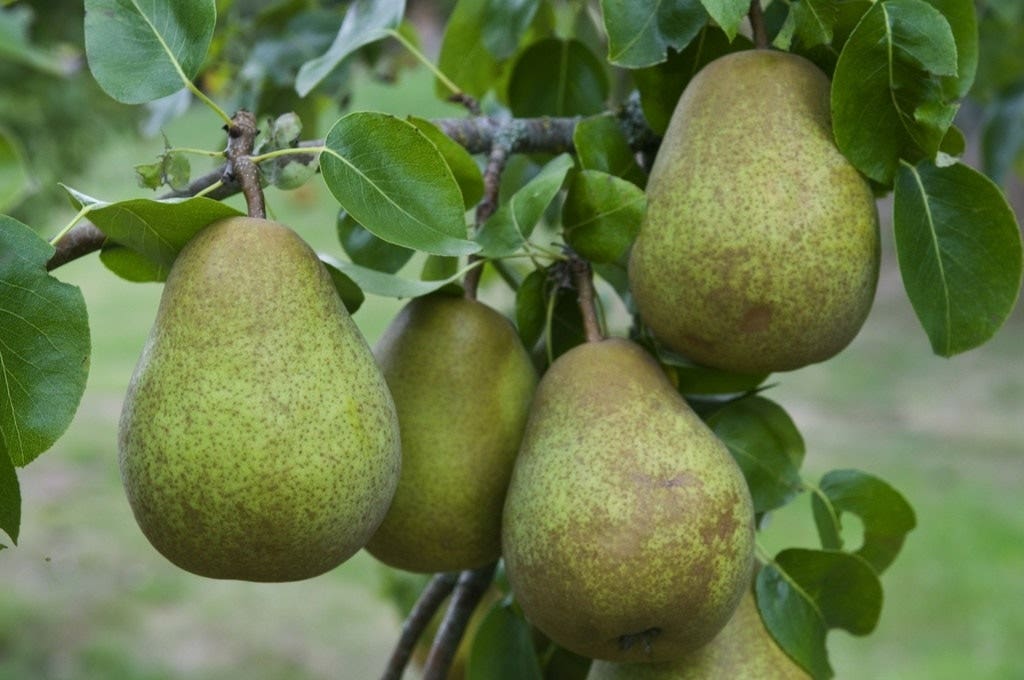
84	596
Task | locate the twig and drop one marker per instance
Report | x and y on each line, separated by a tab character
419	618
496	160
241	140
470	589
757	26
584	283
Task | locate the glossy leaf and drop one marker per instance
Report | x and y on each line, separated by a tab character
503	648
885	513
367	250
511	225
10	498
142	50
641	31
531	307
888	98
389	285
14	179
554	77
959	250
601	145
44	345
505	22
803	594
464	58
767	446
601	215
963	22
464	168
393	180
351	295
728	14
365	21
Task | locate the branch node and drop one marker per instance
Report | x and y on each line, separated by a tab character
241	140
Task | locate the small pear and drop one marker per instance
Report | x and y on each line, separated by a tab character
258	440
628	528
759	251
462	384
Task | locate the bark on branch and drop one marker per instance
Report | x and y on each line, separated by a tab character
468	593
419	618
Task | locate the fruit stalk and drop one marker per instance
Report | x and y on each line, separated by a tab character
423	611
472	585
241	139
584	281
757	27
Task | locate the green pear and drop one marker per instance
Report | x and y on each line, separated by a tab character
628	530
759	251
258	440
744	649
462	384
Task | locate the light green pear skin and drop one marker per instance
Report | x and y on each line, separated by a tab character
625	514
258	439
462	384
759	251
744	649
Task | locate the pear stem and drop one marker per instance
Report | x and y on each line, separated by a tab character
584	281
468	593
757	26
419	618
496	160
241	139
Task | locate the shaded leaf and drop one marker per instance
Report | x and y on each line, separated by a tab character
131	265
728	14
14	179
464	59
505	23
351	295
641	31
531	307
10	498
464	168
15	45
601	145
503	648
695	379
810	22
554	77
601	215
367	250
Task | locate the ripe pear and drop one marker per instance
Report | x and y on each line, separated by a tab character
759	251
744	649
628	528
462	384
258	440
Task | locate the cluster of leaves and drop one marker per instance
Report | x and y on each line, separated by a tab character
405	189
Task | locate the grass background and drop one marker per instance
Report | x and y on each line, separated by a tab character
85	597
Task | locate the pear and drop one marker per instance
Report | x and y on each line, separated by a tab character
759	251
258	440
744	649
628	527
462	384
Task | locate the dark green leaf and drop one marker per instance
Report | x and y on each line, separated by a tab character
694	379
505	22
10	497
561	664
767	446
888	98
886	514
467	172
728	14
14	179
803	594
565	327
959	250
388	285
367	250
44	345
510	226
601	215
351	295
531	307
601	145
439	267
1003	136
464	58
141	51
131	265
393	180
954	143
503	648
641	31
366	21
810	22
555	77
963	21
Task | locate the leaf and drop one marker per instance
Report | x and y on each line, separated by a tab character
14	179
803	594
1003	134
767	446
888	98
531	307
464	168
728	14
601	145
503	648
16	47
695	379
811	22
963	21
390	285
508	229
959	251
505	23
601	215
554	77
351	295
365	22
44	346
886	514
131	265
464	59
10	498
393	180
141	50
367	250
641	31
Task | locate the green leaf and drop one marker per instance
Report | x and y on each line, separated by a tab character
811	22
393	180
767	446
366	21
131	265
14	179
508	229
10	498
351	295
467	172
44	345
367	250
695	379
803	594
141	50
464	59
601	145
505	23
439	267
389	285
886	514
888	97
601	215
16	47
1003	134
959	250
641	31
503	648
531	307
555	77
963	21
728	14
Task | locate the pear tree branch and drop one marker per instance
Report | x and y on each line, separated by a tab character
419	618
241	139
468	593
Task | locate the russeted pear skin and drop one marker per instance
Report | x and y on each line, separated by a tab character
759	251
628	527
462	384
743	650
258	439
